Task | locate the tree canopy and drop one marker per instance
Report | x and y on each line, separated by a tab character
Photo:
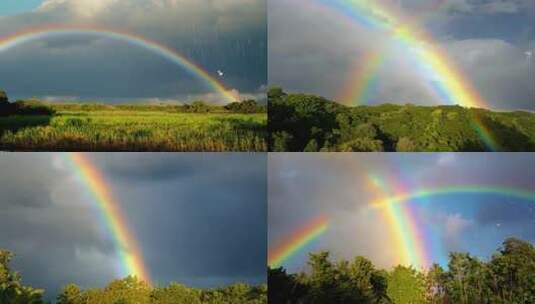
300	122
129	290
508	277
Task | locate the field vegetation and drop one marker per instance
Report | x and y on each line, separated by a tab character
32	125
299	122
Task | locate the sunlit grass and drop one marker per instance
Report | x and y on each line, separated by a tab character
134	131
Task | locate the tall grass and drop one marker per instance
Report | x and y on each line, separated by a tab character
123	130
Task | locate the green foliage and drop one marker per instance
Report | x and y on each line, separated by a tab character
3	97
406	286
32	107
134	131
11	289
508	278
246	106
132	291
32	125
344	282
306	119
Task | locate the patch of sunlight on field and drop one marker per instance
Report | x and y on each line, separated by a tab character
134	131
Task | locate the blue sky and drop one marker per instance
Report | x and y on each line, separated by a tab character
200	219
302	187
13	7
490	42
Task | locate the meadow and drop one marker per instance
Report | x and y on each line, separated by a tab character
93	127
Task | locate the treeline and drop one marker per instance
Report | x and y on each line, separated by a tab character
125	291
299	122
37	107
508	277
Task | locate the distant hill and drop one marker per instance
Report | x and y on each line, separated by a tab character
300	122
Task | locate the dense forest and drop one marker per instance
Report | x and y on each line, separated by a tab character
125	291
299	122
508	277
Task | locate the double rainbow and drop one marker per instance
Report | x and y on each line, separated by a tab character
413	240
126	244
447	82
43	32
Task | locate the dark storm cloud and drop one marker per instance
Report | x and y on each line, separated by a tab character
203	226
228	35
491	42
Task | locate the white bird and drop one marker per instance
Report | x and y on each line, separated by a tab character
220	73
529	54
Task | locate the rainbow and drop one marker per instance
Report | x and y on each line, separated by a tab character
292	244
129	251
414	240
449	84
32	34
402	198
404	228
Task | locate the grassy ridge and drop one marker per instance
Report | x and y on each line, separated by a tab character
299	122
134	128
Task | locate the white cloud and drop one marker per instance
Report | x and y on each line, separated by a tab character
455	224
445	159
83	8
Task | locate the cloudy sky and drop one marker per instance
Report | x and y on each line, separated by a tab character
200	219
228	36
303	187
490	41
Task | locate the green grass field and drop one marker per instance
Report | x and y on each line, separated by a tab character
133	130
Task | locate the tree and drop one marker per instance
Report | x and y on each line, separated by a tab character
5	107
3	97
513	272
11	289
275	93
406	286
71	294
175	294
246	106
405	144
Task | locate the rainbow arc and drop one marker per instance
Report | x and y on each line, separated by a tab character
126	243
447	81
43	32
296	241
413	240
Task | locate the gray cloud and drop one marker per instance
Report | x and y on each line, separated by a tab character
227	35
203	225
331	49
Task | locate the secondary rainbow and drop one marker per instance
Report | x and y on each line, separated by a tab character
410	240
296	241
43	32
126	244
413	240
448	83
426	193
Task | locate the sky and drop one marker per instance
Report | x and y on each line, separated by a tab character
490	42
199	218
339	187
13	7
227	38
